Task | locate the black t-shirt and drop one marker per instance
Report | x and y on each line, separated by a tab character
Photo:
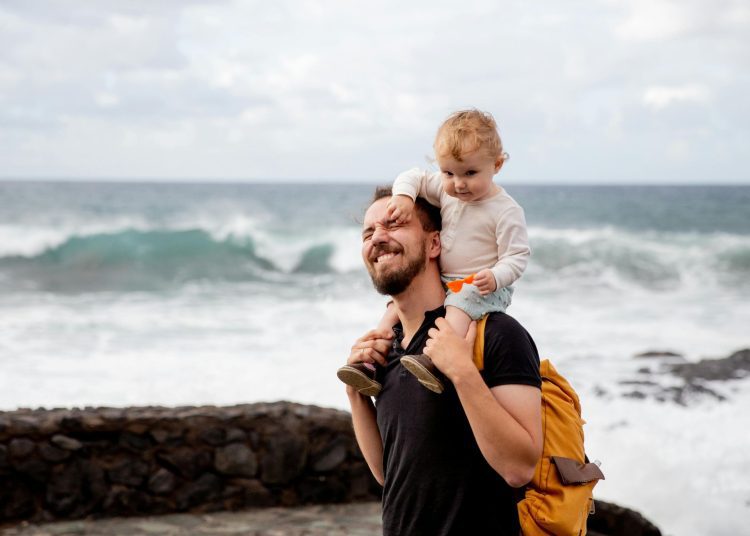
436	480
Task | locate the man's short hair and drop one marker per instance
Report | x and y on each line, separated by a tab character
429	216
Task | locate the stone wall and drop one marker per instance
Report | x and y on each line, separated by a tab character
67	464
57	464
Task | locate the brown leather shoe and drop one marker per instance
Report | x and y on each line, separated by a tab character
425	371
361	377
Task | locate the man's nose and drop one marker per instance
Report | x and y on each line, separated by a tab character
379	235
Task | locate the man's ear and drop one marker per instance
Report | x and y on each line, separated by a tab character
433	250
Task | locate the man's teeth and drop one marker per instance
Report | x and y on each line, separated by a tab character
385	257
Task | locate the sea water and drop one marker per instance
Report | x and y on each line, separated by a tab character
173	294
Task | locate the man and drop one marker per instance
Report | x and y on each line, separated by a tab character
450	463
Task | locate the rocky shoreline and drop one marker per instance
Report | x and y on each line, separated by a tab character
668	377
300	464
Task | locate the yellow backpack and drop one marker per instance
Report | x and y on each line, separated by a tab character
559	498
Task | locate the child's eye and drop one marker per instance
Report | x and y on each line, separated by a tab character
470	173
448	173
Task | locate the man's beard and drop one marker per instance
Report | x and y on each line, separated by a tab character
394	282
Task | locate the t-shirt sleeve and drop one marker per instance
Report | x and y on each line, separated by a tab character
510	355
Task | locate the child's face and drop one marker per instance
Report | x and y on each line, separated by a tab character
470	179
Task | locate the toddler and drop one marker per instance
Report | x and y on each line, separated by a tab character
483	238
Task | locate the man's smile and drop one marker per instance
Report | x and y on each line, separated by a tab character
385	257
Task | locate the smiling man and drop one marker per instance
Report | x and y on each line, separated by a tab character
450	463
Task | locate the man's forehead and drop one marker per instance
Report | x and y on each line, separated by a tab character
376	212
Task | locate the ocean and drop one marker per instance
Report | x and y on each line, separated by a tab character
174	294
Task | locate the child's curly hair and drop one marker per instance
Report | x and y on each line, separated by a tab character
468	130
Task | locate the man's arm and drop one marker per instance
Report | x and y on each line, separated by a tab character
367	433
372	347
506	420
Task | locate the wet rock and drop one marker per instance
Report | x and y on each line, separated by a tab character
659	354
17	501
734	367
214	436
128	472
162	482
330	457
125	501
206	488
235	435
32	468
134	442
236	459
285	456
254	493
67	443
64	489
613	520
186	461
21	448
3	458
53	454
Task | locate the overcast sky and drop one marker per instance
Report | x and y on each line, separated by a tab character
596	91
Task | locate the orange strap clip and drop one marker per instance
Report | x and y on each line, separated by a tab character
456	284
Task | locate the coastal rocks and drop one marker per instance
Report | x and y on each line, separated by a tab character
613	520
67	464
668	377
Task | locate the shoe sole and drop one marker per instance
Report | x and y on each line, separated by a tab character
357	379
424	376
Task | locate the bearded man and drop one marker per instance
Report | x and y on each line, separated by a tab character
449	464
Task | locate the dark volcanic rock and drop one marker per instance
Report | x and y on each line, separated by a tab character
285	456
612	520
128	472
236	459
733	367
659	354
21	448
330	457
67	443
162	482
206	488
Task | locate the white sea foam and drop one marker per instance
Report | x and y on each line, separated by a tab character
591	298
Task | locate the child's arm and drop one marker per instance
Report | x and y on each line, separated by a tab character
418	183
512	248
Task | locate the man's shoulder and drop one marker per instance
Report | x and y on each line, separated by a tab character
510	354
498	323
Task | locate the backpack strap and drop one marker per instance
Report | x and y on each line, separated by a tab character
479	343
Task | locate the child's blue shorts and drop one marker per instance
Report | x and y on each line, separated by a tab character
470	301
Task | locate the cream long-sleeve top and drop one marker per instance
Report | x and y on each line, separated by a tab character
476	235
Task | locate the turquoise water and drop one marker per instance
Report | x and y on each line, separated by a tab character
136	294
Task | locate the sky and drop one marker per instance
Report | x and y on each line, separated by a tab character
596	91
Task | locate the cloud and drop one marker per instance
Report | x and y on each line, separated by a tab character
660	97
323	89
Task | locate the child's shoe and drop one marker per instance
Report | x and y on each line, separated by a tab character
425	371
361	376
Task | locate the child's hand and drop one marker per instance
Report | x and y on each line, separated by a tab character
400	208
485	282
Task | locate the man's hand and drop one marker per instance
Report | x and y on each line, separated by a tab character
372	347
485	282
452	354
400	208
